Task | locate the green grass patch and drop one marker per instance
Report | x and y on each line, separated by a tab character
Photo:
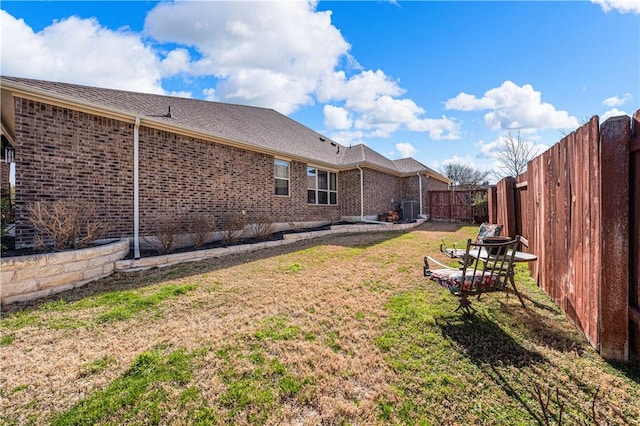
253	395
7	339
138	395
276	328
96	367
481	368
120	305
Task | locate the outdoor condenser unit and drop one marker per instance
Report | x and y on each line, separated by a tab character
409	211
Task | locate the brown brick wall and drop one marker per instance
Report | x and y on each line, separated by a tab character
62	153
182	175
349	187
382	192
411	190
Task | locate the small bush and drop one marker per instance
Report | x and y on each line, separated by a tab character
232	226
262	226
65	224
165	231
201	228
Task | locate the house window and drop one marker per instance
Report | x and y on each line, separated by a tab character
281	175
322	186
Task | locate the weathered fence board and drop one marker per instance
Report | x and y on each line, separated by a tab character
582	219
454	205
634	200
614	157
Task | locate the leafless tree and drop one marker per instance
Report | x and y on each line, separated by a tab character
513	156
464	176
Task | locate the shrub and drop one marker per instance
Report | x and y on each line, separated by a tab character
261	226
165	231
201	228
65	224
232	226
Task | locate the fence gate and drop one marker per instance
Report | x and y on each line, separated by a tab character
457	206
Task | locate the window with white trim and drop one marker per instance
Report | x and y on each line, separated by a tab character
322	186
281	176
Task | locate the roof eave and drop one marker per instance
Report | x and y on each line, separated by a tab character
64	101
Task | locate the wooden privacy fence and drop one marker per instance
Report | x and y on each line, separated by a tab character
456	205
579	206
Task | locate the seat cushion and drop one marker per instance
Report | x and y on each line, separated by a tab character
488	230
452	280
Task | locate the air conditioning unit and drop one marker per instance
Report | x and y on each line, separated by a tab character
409	211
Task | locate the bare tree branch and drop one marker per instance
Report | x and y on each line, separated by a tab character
463	175
514	155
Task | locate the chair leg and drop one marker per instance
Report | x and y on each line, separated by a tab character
464	304
427	269
515	290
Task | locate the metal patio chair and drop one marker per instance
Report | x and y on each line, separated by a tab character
489	268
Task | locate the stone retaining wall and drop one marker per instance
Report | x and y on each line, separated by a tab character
30	277
131	265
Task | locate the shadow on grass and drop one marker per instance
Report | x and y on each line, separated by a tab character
491	349
486	343
135	280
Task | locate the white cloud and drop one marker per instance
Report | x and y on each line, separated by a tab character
359	91
465	161
181	94
349	137
514	107
615	112
406	149
337	118
371	98
622	6
78	51
269	54
617	101
175	62
210	94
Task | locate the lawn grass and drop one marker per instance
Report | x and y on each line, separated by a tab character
340	330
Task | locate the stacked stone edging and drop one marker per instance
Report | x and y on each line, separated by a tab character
25	278
132	265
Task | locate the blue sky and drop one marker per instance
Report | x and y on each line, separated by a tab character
439	81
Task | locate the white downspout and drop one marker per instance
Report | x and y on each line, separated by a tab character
136	190
361	192
420	190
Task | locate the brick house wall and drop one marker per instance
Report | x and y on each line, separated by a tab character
382	192
63	153
411	190
183	175
349	192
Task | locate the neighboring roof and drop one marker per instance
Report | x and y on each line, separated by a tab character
250	127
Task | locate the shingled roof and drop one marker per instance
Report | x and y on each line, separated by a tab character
260	129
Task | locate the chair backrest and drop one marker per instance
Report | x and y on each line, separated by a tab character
488	230
489	265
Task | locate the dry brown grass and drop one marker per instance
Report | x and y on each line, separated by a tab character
333	291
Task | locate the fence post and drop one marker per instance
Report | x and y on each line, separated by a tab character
634	210
507	206
492	198
615	134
